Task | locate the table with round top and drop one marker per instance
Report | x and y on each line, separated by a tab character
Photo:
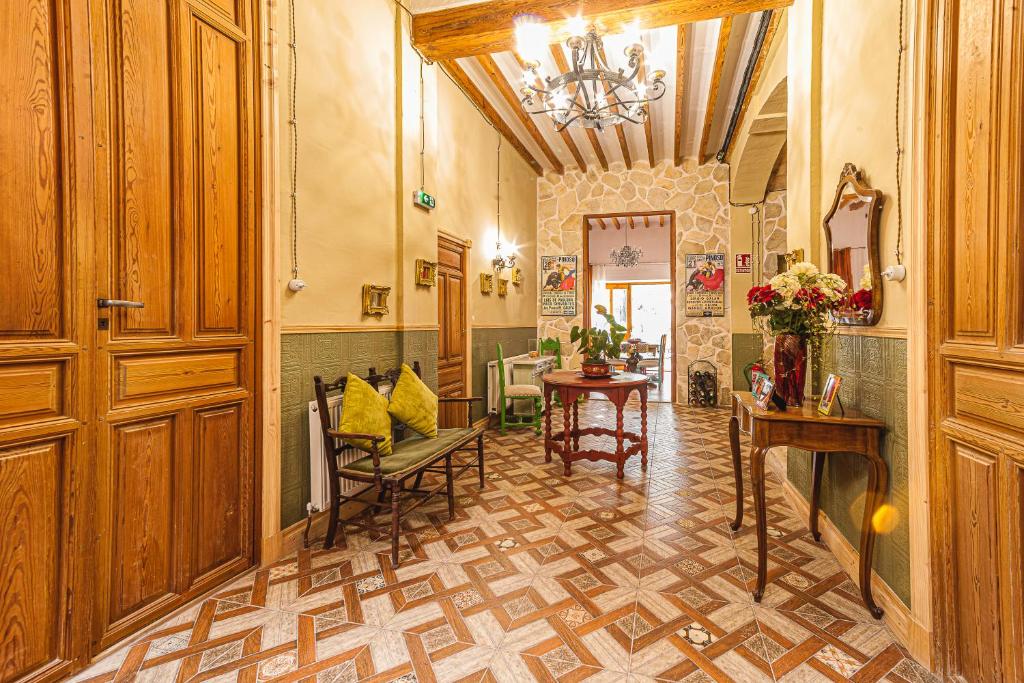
570	384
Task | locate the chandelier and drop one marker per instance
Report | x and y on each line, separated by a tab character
627	256
591	94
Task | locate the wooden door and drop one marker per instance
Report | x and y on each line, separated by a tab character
176	127
451	313
46	328
976	338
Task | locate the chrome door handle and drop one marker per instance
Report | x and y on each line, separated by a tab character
118	303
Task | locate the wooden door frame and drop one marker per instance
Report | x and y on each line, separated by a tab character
588	279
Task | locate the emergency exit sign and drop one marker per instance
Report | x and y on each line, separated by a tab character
424	200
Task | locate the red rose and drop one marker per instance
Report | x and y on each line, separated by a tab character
862	299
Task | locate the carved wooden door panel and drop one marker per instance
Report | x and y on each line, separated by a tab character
176	133
45	337
977	339
451	312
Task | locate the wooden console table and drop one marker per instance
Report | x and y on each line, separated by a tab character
807	429
570	384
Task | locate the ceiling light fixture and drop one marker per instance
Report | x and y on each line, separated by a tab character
591	93
627	256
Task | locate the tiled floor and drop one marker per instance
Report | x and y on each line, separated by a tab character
545	578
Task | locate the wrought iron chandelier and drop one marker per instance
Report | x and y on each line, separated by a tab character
627	256
591	93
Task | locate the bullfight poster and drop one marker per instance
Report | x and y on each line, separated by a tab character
558	285
705	285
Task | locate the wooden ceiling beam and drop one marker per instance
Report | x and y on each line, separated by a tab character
619	132
489	27
494	73
467	86
570	144
755	77
563	66
680	93
713	90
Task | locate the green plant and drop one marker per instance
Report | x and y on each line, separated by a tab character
598	345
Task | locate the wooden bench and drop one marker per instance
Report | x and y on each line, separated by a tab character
413	456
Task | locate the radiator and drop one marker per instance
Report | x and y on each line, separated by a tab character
319	482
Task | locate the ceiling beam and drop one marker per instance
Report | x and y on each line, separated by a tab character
563	66
489	27
570	144
632	223
680	93
716	82
489	112
619	132
755	77
494	73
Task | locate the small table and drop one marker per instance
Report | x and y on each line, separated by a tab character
807	429
570	384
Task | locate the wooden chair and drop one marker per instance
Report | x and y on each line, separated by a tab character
530	392
552	346
412	456
657	363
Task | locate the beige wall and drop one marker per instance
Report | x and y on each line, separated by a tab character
850	102
358	168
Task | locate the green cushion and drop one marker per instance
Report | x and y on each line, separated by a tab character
412	452
365	411
413	403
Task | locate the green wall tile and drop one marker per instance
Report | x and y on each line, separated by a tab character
746	348
514	341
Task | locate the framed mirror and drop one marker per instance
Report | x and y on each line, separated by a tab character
851	233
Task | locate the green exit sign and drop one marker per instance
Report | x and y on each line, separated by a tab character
424	200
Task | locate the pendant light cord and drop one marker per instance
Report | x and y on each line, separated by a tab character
499	189
899	140
294	125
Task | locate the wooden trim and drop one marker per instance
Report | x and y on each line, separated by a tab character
898	617
489	28
588	280
713	89
327	329
462	79
452	237
563	66
755	78
886	332
680	93
504	326
268	519
501	83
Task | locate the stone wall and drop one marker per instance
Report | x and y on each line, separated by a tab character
774	232
698	195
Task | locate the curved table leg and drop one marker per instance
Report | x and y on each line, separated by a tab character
575	425
757	456
737	470
817	469
878	480
620	450
547	424
566	434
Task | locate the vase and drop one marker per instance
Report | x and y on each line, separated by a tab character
790	368
596	369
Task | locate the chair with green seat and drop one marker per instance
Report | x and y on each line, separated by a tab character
510	392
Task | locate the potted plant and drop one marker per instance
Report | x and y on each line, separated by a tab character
796	308
597	346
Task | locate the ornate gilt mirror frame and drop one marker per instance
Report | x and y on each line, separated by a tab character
853	177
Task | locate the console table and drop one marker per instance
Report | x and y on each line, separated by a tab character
807	429
570	384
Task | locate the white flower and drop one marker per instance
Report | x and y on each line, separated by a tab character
865	280
804	269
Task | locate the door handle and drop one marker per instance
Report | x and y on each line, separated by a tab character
118	303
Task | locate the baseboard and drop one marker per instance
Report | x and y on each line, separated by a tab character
910	632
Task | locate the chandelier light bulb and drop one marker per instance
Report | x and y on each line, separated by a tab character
576	26
532	39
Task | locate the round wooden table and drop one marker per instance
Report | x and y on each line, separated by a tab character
570	384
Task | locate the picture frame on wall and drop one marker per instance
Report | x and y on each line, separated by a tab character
426	273
705	285
375	300
486	283
558	285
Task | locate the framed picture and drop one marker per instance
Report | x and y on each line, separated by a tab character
558	285
375	300
705	285
517	276
763	390
486	283
829	394
502	287
426	273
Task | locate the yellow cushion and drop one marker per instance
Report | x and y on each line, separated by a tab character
413	403
365	411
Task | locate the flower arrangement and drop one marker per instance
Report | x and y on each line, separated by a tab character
799	302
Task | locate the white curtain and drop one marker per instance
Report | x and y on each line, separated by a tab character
598	293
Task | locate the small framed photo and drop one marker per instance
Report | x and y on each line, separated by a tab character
763	390
486	283
829	394
375	300
502	287
517	276
426	273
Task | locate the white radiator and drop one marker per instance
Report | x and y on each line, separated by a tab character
319	482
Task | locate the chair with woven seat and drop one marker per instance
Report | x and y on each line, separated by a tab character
510	392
